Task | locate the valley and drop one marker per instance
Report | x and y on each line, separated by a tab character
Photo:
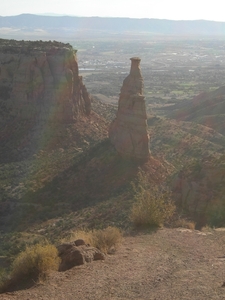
60	173
173	69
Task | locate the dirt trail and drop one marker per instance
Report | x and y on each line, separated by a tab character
175	264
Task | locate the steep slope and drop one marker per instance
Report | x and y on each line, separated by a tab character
197	154
69	181
198	186
207	109
57	165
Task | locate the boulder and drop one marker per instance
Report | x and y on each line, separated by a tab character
76	254
128	132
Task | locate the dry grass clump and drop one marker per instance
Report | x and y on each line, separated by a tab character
153	205
107	238
207	228
36	260
84	234
103	239
33	263
183	223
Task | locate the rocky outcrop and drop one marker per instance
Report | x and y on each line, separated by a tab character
199	190
76	254
41	80
128	132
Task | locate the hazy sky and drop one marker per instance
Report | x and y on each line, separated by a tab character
162	9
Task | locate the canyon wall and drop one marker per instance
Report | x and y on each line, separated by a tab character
41	80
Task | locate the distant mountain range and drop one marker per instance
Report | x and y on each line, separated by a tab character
30	26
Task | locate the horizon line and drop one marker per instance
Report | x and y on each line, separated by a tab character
107	17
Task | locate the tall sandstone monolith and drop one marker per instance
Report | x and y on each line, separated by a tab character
128	132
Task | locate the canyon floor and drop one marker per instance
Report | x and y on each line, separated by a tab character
164	264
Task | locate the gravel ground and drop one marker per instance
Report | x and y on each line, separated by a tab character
167	264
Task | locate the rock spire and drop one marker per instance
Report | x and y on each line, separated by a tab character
128	132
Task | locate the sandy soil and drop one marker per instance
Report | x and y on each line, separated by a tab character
167	264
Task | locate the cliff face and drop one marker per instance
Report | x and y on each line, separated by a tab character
41	80
128	132
42	96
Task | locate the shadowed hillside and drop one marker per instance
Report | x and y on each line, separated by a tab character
57	166
207	109
197	155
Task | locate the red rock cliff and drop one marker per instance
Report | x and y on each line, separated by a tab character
41	80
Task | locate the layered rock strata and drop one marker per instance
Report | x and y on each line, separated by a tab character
128	132
41	80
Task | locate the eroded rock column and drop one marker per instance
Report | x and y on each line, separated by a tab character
128	132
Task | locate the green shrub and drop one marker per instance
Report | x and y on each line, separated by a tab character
153	205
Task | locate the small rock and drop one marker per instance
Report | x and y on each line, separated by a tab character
79	242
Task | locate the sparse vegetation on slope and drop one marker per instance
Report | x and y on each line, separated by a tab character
153	205
207	109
